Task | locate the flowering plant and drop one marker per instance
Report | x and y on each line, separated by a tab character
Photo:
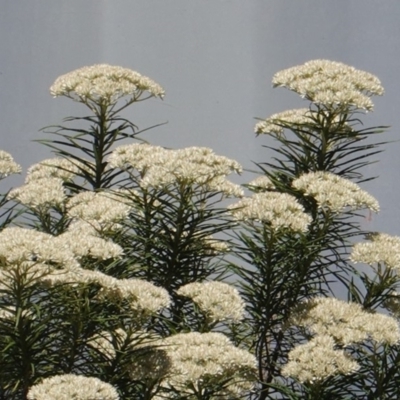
125	274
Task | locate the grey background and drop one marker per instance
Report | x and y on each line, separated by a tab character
215	59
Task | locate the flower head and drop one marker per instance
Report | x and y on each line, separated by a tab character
280	210
63	168
261	184
101	209
303	120
7	165
18	245
218	300
200	359
90	244
141	295
381	248
160	167
317	360
69	386
346	322
334	193
104	84
41	194
276	122
104	342
331	84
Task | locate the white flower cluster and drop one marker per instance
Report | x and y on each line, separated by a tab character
104	84
62	168
280	210
276	122
214	246
44	187
303	119
90	244
103	342
142	296
159	167
53	259
203	359
103	210
7	165
150	361
70	386
334	193
346	322
138	156
318	360
218	300
393	303
40	194
73	277
331	84
381	248
20	245
261	183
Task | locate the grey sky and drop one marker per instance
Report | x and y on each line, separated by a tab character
215	58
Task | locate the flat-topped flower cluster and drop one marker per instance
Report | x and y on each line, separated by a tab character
335	324
158	167
334	193
104	84
280	210
7	165
331	84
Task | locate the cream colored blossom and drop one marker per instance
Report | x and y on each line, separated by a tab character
90	243
63	168
261	183
139	156
381	248
393	303
70	386
334	193
7	165
104	84
141	295
214	246
218	300
318	360
158	167
103	342
332	84
346	322
281	210
194	165
101	209
229	189
19	245
151	364
206	359
302	119
276	122
73	277
149	361
41	194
